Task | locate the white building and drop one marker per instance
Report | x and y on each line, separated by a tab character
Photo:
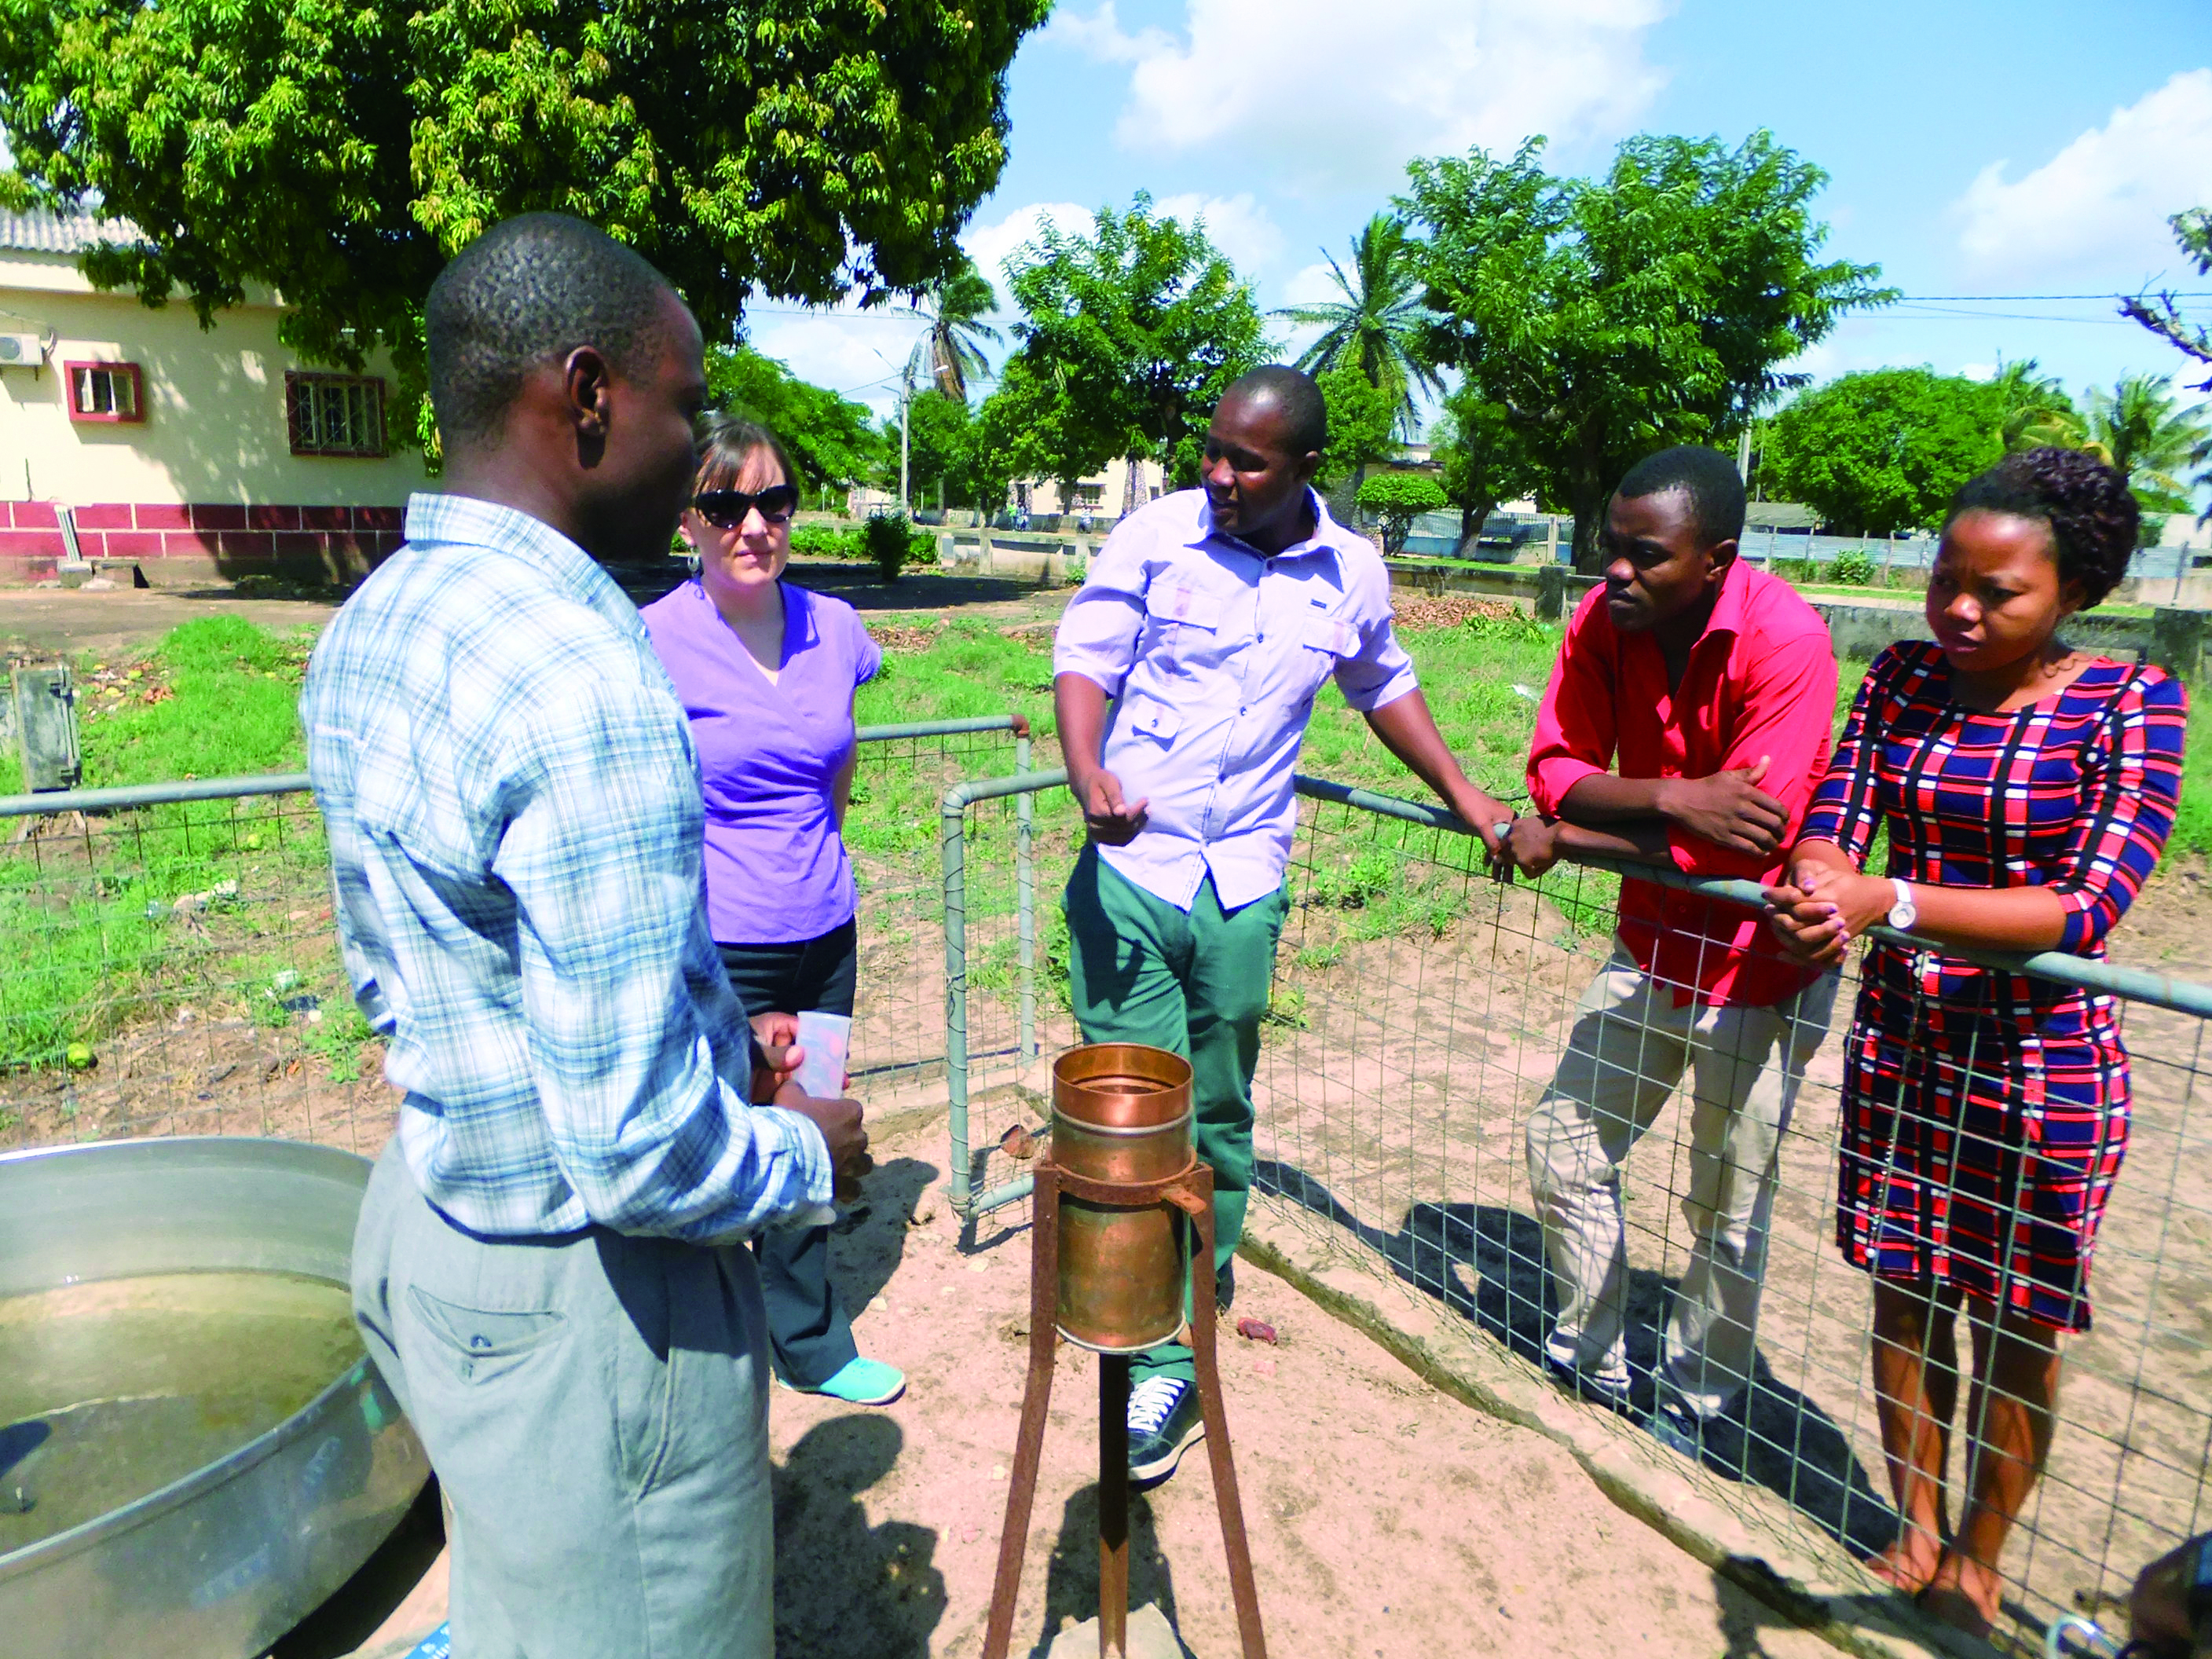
185	453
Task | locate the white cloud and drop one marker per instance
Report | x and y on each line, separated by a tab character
840	347
989	245
2102	201
1237	225
1325	100
1314	284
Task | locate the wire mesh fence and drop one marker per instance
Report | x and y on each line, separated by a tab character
1420	1011
167	964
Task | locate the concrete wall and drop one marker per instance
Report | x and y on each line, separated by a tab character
213	454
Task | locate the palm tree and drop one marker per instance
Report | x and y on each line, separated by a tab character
2037	411
949	353
1375	324
2146	433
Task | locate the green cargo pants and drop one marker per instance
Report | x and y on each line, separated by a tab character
1143	971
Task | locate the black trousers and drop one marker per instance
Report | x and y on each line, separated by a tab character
810	1333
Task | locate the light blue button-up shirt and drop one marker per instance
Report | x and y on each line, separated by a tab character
514	815
1212	651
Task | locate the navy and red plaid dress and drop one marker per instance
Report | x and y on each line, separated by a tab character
1985	1113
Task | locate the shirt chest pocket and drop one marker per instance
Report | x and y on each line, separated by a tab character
1330	634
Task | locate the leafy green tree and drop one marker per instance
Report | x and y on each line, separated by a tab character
340	151
1363	421
832	440
2034	409
1376	327
2192	233
1876	452
2141	429
1481	460
1127	339
1607	318
953	350
1397	499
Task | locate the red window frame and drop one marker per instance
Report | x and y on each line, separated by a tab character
129	373
299	384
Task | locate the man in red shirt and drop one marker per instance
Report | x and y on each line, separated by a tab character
1714	686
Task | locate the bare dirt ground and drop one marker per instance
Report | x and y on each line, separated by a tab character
1386	1519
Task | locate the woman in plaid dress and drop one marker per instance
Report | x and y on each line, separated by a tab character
2027	789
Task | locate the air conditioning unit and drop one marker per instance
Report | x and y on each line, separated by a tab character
21	351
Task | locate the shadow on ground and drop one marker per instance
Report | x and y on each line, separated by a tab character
871	1237
1071	1586
843	1587
1486	1263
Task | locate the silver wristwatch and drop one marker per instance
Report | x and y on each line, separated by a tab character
1904	912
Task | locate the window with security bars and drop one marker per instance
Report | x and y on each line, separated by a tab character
335	414
105	392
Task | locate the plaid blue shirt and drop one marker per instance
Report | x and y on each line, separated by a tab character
514	816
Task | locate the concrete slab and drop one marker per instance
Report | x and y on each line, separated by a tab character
1151	1637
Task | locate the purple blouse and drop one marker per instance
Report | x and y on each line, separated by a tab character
776	868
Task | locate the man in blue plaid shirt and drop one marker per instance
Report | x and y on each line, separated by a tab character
546	1270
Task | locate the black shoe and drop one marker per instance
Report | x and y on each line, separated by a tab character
1164	1421
1225	1285
1720	1443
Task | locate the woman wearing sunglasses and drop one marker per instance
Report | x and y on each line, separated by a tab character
768	671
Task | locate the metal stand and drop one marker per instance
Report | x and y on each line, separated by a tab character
1191	1192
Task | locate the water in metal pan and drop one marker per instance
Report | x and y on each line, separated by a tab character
113	1389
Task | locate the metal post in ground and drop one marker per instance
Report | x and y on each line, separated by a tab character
953	836
1025	903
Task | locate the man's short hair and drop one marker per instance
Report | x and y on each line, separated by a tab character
1295	396
533	287
1709	478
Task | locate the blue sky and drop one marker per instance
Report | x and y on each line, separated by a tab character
1975	147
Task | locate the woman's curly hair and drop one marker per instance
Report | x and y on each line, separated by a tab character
2091	513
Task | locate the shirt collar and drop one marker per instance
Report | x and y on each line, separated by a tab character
1328	534
1729	610
467	521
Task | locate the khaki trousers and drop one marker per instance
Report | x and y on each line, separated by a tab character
595	1405
1629	1050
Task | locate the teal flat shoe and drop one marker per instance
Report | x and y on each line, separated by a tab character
859	1383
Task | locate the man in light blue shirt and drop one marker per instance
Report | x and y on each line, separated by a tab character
545	1268
1184	675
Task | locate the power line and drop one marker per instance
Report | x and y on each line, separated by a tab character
1991	299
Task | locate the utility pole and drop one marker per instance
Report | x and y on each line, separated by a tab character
906	396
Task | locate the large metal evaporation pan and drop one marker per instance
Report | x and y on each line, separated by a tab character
220	1562
1121	1112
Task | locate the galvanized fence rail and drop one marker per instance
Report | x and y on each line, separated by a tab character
1419	1012
167	964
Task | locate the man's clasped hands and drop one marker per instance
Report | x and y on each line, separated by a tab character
1825	903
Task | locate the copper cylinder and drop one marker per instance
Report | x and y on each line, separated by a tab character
1121	1112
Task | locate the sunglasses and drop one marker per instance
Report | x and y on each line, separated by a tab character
726	509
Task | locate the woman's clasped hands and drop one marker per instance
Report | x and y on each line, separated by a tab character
1823	907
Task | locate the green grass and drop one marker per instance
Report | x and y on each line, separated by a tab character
143	909
94	934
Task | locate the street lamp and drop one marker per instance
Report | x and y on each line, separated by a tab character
906	395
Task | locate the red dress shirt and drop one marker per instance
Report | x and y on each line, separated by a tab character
1761	680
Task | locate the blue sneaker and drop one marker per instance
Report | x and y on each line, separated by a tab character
1164	1417
859	1383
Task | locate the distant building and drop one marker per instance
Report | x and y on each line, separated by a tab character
1103	497
183	453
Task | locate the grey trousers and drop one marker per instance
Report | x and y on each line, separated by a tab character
595	1407
1630	1049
